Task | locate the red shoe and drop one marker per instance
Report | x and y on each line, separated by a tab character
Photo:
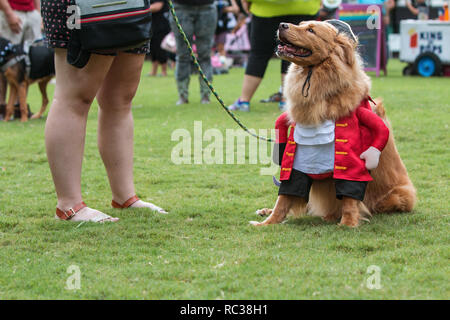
126	204
92	216
134	199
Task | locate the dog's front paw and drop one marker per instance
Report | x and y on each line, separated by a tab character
331	217
349	222
256	223
264	212
36	116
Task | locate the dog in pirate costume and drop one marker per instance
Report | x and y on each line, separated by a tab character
21	69
339	159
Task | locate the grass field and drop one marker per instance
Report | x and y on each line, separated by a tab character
205	248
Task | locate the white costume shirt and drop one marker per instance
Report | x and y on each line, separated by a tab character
315	148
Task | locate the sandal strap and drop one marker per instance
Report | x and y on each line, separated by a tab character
126	204
67	215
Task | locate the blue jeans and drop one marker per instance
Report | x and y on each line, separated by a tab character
200	21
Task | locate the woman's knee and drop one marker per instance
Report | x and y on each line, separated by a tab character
116	102
78	104
204	54
257	67
76	88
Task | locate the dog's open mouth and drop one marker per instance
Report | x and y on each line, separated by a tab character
288	49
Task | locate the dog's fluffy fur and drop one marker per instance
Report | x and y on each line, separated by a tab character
337	86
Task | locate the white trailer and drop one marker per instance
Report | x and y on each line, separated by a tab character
425	46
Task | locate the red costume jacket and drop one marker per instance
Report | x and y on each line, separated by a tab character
354	134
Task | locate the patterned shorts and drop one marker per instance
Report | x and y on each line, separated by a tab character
55	16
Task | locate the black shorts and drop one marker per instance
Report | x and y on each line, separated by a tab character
299	185
156	52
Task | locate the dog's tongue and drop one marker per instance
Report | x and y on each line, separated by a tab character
295	50
291	49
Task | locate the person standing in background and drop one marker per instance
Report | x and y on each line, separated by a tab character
160	28
420	9
267	16
225	10
386	6
197	18
20	22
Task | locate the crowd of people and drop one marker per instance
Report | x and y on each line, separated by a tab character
209	24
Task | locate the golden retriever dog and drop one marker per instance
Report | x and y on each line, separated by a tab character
326	82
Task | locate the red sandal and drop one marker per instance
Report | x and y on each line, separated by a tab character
132	200
126	204
69	214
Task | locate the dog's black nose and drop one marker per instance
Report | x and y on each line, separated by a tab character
283	26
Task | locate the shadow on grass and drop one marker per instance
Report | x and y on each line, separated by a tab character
319	222
310	221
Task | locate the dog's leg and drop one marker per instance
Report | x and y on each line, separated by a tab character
43	88
399	199
332	216
350	212
282	207
11	101
22	91
323	202
298	208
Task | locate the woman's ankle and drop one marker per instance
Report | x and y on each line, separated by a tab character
122	198
66	204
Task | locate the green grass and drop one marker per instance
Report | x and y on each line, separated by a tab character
205	248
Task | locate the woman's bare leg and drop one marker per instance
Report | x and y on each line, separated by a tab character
249	86
154	71
115	129
164	69
65	129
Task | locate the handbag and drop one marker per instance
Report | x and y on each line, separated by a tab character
238	41
108	26
169	43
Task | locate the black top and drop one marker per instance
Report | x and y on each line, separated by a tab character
194	2
160	21
423	8
222	17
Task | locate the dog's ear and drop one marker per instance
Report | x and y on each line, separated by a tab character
346	49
